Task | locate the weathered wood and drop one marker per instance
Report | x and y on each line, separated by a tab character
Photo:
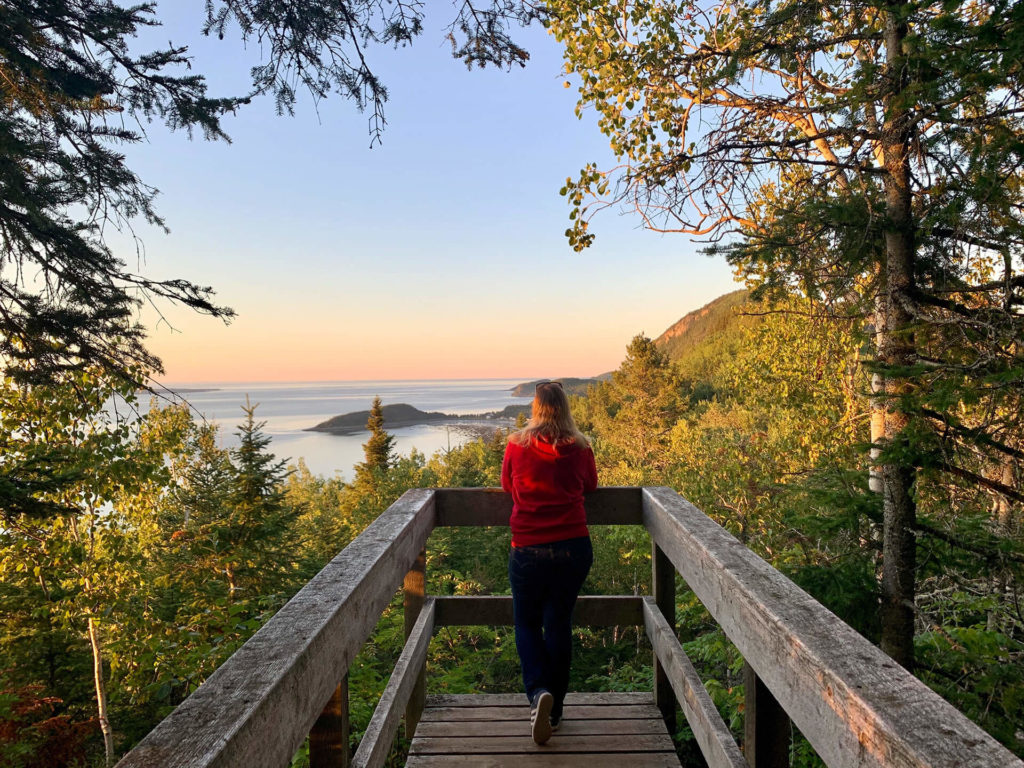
523	744
328	741
644	712
548	760
854	704
615	698
590	611
414	591
767	733
663	588
492	506
520	726
376	742
257	708
712	734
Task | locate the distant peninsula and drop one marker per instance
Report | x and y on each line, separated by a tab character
405	415
571	385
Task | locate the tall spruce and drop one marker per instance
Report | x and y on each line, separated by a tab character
379	450
257	527
867	156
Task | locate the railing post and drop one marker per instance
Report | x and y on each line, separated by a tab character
663	585
328	741
766	729
414	589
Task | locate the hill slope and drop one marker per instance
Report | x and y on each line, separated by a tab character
693	329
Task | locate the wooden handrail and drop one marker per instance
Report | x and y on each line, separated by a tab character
257	707
855	706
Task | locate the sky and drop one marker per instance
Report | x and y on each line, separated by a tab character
439	253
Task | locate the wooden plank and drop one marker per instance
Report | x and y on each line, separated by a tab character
376	742
620	698
328	741
524	744
548	760
767	731
492	506
713	736
521	726
590	611
857	707
258	707
511	713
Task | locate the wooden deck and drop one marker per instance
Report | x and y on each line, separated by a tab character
599	730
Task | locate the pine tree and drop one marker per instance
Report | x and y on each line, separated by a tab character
379	450
258	528
633	413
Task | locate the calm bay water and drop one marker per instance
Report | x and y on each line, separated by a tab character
288	409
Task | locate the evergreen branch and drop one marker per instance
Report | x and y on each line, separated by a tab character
993	485
976	434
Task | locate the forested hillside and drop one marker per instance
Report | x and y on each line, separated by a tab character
161	552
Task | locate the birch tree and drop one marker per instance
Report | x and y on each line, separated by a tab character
866	155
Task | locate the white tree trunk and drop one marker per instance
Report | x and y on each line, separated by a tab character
101	692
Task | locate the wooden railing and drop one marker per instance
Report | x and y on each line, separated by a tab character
854	705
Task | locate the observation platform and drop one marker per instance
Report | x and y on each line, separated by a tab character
803	666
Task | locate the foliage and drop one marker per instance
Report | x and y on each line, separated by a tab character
866	157
379	449
632	414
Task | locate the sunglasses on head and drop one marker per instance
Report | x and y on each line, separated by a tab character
546	383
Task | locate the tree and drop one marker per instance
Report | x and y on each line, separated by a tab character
632	414
68	573
73	88
866	156
379	450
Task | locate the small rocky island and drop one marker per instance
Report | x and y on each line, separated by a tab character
405	415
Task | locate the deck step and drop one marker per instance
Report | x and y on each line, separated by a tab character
599	730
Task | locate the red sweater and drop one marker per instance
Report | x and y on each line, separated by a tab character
547	483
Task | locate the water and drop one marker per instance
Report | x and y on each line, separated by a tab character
288	409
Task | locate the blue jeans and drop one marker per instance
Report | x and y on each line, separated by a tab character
546	579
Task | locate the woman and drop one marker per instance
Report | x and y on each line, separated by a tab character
548	467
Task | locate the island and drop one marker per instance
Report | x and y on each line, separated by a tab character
405	415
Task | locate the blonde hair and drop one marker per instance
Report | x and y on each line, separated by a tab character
550	418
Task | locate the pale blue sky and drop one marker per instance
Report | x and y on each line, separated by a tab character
438	254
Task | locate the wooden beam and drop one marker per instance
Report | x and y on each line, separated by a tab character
492	506
258	707
328	741
663	587
767	732
713	736
496	610
414	591
376	742
857	707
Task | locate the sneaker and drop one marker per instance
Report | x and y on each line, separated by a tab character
540	717
555	722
